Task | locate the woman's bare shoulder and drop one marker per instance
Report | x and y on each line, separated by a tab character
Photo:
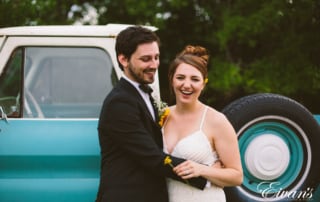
215	116
217	121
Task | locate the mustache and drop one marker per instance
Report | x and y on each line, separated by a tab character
150	70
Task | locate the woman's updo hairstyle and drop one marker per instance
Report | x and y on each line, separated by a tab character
196	56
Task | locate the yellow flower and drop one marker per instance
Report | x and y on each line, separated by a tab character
164	116
167	161
163	112
206	80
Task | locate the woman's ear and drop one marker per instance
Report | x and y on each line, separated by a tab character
123	60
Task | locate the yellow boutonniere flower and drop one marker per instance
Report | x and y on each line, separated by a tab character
164	116
167	161
163	112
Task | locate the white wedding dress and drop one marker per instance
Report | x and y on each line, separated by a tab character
195	147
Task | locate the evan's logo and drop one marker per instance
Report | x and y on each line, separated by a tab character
274	190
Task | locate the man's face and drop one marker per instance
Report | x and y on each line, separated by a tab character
143	64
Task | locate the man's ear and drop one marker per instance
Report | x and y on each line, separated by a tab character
123	60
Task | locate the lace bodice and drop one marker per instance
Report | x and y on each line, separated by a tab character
195	147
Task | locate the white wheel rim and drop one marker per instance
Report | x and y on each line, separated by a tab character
267	157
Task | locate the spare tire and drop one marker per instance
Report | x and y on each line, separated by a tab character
279	146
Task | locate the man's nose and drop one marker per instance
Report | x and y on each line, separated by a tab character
155	63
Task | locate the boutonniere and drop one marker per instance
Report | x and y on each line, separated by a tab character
163	111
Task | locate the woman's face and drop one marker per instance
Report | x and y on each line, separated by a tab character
187	83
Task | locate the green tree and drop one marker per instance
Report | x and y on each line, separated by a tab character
35	12
255	46
273	47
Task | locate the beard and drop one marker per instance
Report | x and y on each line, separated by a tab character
139	75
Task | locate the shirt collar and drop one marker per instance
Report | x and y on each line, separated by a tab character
135	84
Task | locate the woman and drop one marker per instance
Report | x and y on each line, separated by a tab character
198	133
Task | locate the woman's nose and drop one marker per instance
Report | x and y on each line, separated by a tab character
186	83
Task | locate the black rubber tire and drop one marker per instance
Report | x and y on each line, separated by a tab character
242	114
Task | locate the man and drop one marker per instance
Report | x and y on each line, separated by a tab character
132	162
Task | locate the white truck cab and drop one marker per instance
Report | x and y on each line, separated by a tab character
53	80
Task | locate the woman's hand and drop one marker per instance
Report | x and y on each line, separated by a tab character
190	169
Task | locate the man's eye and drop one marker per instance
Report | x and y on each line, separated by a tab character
145	59
148	59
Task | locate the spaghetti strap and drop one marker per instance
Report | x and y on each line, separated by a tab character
203	116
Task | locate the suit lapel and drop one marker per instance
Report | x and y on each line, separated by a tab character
155	109
132	90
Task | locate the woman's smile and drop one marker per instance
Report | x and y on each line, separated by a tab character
186	92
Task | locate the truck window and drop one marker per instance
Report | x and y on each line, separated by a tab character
10	85
66	82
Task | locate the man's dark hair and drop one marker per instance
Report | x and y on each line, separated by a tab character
130	38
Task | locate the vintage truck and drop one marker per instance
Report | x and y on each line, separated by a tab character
53	80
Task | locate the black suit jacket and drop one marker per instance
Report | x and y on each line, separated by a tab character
132	167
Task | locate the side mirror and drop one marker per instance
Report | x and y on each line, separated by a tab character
3	116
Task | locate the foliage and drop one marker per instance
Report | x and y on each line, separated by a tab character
275	44
255	46
34	12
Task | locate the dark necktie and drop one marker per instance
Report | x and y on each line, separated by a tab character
147	89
